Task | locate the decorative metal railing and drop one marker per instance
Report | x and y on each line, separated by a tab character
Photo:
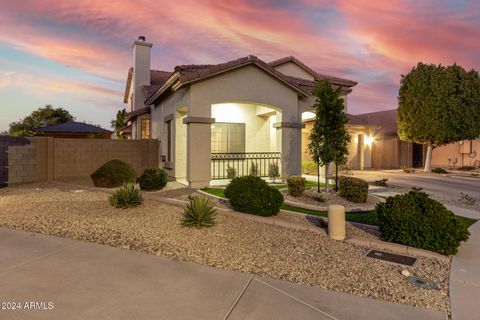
242	163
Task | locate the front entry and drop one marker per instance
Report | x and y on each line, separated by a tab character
417	155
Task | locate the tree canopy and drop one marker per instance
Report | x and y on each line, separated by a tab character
329	136
438	105
119	122
41	117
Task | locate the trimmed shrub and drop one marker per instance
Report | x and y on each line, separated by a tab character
353	189
413	219
273	171
254	170
296	185
199	212
153	179
439	170
231	172
127	196
253	195
113	174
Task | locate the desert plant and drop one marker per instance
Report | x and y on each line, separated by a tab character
467	199
231	172
353	189
253	195
439	170
126	196
113	174
254	170
318	197
199	212
408	170
413	219
273	171
296	185
153	179
380	182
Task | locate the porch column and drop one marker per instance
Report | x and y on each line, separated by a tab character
198	150
290	147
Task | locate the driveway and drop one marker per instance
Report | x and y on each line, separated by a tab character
70	279
444	187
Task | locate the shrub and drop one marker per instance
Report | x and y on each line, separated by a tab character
319	198
153	179
413	219
231	172
296	185
199	212
253	195
439	170
408	170
273	171
309	167
380	182
254	170
353	189
127	196
113	174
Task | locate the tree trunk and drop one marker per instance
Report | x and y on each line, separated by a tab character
318	177
326	178
428	159
336	177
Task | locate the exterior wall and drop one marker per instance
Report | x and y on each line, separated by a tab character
291	69
46	158
385	153
453	152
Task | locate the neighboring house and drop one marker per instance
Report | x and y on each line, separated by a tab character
211	117
77	130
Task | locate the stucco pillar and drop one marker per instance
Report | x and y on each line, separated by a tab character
198	150
290	147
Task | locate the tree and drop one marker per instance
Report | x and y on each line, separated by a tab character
41	117
438	105
119	122
329	136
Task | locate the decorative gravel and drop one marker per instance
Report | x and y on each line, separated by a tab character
234	243
330	198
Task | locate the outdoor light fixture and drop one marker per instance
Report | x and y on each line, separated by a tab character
369	139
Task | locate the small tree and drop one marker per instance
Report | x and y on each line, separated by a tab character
41	117
329	136
438	105
119	122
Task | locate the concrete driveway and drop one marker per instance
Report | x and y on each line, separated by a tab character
77	280
445	187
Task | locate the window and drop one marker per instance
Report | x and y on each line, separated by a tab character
169	140
145	128
228	137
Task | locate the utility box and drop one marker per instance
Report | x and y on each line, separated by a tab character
336	222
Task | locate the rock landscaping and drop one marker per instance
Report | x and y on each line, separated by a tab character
233	243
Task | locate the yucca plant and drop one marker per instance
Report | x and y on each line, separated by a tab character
273	171
126	196
199	212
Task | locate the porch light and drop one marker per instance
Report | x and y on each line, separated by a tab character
369	139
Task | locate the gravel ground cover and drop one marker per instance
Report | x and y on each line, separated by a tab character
234	243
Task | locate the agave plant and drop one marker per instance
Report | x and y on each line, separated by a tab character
199	212
126	196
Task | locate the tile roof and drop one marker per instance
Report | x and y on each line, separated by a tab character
316	75
73	127
137	113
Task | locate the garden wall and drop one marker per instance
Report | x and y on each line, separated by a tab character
25	160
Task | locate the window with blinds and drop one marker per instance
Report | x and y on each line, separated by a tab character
228	137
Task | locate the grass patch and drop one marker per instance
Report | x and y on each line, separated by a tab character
215	191
467	221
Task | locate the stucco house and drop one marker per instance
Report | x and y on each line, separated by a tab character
211	117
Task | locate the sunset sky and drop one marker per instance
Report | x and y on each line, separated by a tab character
76	54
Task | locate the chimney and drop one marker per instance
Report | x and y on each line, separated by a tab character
141	71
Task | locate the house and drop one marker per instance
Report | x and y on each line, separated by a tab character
76	130
231	115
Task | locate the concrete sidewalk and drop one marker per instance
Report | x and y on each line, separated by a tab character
89	281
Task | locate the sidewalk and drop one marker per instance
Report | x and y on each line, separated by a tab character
90	281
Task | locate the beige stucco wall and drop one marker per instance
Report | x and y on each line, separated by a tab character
441	155
291	69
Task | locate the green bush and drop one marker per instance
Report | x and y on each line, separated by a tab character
153	179
127	196
353	189
296	185
253	195
199	212
254	170
273	171
309	167
439	170
413	219
113	174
